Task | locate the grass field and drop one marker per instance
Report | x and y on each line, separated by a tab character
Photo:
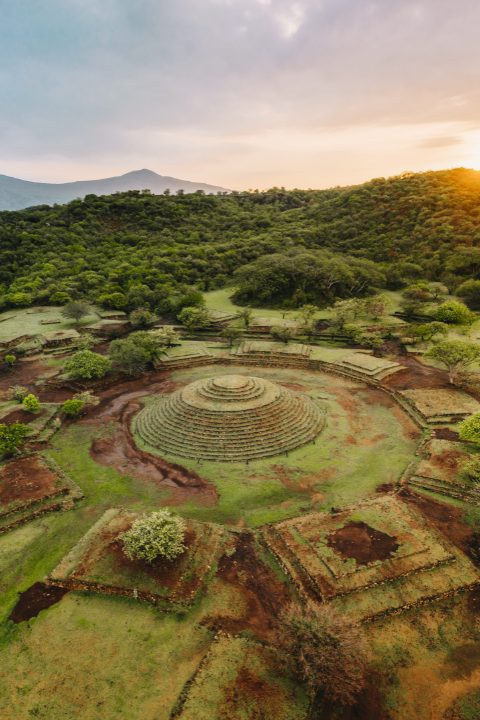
95	657
43	321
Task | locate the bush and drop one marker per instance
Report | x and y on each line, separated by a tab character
282	333
470	469
85	341
454	313
469	429
141	318
12	437
87	365
329	653
231	334
72	407
87	398
158	535
194	318
10	361
31	403
18	392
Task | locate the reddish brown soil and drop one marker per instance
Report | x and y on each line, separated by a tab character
446	434
260	695
20	416
416	376
264	594
362	543
24	372
446	518
38	597
25	479
449	461
119	450
369	704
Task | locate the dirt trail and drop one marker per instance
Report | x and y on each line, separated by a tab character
446	518
264	594
119	450
415	376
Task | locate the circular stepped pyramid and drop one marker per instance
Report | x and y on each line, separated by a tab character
232	418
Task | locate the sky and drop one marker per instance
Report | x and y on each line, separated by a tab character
239	93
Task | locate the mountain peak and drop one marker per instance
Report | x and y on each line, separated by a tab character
16	194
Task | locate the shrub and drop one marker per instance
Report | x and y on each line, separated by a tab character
231	334
426	332
282	333
18	392
10	361
194	318
329	653
12	437
87	365
470	469
85	341
158	535
72	407
142	317
31	403
469	429
87	398
453	312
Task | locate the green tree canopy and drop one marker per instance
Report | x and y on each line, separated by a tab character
194	318
455	355
470	292
87	365
76	310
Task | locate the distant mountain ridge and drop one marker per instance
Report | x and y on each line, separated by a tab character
16	194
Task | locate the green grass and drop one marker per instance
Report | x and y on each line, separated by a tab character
28	322
95	657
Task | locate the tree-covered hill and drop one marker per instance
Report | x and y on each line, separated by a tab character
134	248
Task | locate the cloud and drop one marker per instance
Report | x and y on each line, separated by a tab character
110	79
440	142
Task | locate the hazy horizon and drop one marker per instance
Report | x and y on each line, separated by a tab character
239	93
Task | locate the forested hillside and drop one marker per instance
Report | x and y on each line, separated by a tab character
135	249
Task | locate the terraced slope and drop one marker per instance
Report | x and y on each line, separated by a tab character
232	417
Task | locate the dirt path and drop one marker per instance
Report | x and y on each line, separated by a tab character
416	375
264	594
120	451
